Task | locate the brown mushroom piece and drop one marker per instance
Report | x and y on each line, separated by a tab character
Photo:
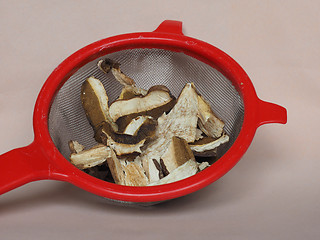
75	147
123	143
124	172
135	124
130	90
134	174
95	103
178	153
181	122
186	170
157	101
207	146
211	125
91	157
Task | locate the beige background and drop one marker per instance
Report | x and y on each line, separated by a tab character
272	193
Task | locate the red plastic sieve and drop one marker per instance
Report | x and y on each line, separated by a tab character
164	56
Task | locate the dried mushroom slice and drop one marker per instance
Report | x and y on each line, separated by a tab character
181	122
116	168
133	127
199	134
155	113
203	165
95	102
125	148
208	145
75	147
91	157
134	174
146	130
128	92
156	99
186	170
125	172
125	143
167	133
108	64
129	85
211	125
177	154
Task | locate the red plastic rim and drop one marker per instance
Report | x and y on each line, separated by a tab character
166	39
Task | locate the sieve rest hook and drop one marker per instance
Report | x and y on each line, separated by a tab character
271	113
170	26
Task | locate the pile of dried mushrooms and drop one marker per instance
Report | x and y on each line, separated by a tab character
146	137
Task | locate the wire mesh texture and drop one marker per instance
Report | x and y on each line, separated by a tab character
148	67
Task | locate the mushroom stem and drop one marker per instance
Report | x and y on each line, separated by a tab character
208	122
186	170
107	64
91	157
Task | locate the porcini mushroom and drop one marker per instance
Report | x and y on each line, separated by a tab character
135	124
209	123
207	146
181	122
75	147
123	143
178	153
126	172
91	157
95	102
130	88
148	137
186	170
155	102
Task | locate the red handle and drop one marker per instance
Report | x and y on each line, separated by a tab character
21	166
271	113
170	26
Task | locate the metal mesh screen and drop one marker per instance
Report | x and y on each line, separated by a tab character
148	67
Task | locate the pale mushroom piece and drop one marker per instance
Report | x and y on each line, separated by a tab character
155	113
123	143
155	99
145	130
211	125
203	165
91	157
134	174
125	172
122	148
152	152
178	153
116	168
208	144
135	124
75	147
181	121
186	170
107	64
95	102
199	134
